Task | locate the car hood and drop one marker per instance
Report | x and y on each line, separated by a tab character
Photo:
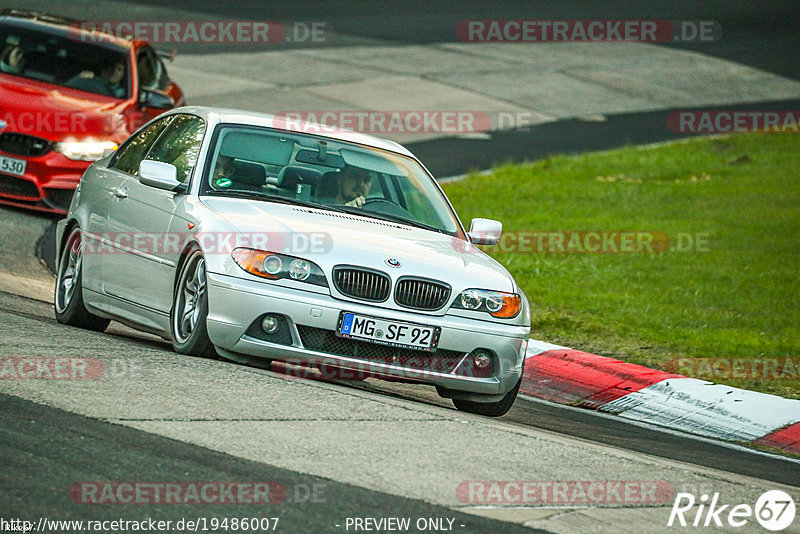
331	238
55	113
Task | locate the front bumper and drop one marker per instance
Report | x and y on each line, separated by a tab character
48	183
235	304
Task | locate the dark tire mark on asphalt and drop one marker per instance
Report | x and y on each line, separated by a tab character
40	467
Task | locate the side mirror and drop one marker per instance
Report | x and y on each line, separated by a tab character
485	231
151	98
160	175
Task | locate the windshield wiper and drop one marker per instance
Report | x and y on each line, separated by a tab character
237	193
392	218
246	193
306	203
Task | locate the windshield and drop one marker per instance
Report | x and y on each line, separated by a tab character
61	58
269	165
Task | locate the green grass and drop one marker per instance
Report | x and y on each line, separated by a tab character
737	296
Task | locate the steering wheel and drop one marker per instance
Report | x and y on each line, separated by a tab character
385	205
378	200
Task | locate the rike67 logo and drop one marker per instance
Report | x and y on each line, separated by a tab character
774	510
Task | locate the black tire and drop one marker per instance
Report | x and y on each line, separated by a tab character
190	308
490	409
68	301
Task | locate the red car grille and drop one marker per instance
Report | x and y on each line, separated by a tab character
13	185
24	145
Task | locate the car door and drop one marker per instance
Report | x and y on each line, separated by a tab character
95	190
143	274
104	185
123	166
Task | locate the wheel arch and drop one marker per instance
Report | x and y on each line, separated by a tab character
69	225
184	255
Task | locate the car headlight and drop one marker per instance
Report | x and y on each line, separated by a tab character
275	266
86	150
496	303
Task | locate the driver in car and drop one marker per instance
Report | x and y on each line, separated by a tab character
354	184
223	171
13	60
109	82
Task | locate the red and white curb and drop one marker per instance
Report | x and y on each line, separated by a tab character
677	402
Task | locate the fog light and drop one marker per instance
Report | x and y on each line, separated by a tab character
270	324
482	359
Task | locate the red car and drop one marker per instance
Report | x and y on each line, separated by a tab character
67	98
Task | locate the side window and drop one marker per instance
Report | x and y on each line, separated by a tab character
152	73
132	152
180	144
161	75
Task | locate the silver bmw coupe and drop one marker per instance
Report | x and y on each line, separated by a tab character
246	236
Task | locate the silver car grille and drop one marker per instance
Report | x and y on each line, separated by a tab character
421	293
361	283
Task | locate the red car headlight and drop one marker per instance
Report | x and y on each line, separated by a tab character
86	150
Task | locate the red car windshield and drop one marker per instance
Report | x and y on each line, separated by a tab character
66	59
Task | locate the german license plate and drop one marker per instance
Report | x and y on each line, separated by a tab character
12	165
387	332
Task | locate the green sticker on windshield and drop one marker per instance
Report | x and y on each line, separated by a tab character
222	182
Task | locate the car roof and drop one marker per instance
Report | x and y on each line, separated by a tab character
253	118
45	21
